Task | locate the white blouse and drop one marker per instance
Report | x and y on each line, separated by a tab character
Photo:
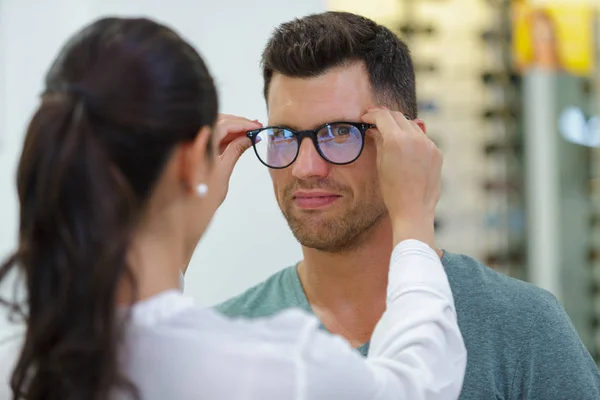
175	350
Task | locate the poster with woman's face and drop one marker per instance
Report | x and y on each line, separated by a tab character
554	37
544	41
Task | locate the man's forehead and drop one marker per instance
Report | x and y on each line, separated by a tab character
304	103
315	118
345	80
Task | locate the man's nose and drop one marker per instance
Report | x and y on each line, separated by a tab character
309	163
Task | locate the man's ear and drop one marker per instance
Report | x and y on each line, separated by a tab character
421	124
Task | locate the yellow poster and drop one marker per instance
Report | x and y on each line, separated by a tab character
556	37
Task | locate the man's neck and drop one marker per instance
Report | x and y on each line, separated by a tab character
347	290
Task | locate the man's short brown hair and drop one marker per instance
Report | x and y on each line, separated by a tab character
310	46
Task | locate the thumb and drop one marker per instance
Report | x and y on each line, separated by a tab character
232	154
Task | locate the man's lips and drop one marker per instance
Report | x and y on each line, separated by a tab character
314	200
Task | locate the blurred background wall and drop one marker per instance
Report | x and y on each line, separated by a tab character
510	91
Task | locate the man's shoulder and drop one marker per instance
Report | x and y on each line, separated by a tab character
477	287
267	298
514	333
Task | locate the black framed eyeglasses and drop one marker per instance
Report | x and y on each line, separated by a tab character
339	143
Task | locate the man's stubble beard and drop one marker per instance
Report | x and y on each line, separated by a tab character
335	233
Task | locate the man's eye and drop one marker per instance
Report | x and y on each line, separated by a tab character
342	130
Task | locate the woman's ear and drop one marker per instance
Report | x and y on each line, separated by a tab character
197	159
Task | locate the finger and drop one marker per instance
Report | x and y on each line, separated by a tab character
411	127
235	126
402	121
230	137
232	154
227	122
385	122
234	130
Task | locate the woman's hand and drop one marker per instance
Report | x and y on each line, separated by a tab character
410	167
230	143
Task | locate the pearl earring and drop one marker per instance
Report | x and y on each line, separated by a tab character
202	190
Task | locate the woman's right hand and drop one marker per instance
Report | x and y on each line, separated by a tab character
410	167
230	142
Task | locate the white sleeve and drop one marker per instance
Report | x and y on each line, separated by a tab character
416	351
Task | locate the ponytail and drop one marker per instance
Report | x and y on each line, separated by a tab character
77	217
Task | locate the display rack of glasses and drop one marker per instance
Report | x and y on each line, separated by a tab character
504	217
594	186
594	251
412	29
466	91
420	25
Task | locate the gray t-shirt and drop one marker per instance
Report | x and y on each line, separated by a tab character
521	344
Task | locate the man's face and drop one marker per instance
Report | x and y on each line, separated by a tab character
328	207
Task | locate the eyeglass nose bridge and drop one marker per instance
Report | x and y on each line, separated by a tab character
310	134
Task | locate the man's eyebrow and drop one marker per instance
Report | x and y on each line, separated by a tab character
314	126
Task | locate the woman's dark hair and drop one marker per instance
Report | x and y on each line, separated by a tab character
119	97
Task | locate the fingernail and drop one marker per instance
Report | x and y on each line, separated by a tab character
258	139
